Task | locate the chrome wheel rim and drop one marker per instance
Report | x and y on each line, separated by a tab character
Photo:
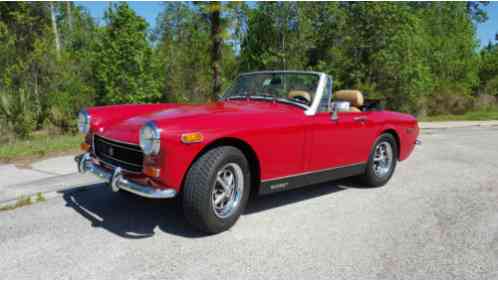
383	159
228	189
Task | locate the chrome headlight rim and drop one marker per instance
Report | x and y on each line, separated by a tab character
84	122
150	138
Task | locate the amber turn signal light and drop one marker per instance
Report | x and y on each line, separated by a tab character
192	138
152	171
84	146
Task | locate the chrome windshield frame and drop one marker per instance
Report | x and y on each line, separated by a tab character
320	89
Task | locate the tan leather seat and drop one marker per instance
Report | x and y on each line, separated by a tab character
298	93
354	97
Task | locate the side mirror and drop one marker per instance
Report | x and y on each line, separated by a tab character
338	106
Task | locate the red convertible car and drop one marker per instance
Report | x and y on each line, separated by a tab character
271	131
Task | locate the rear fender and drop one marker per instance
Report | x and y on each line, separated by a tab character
405	136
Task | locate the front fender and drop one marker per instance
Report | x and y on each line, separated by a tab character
177	157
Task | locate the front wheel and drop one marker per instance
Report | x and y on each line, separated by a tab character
382	161
216	189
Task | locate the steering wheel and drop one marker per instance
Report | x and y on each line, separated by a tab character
300	96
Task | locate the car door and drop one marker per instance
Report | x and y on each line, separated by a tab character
340	143
338	147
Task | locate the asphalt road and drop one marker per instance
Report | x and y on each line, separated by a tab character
437	218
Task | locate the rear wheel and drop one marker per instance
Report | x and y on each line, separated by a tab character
382	161
216	189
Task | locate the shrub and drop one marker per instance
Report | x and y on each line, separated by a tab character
17	113
453	99
491	87
65	105
485	102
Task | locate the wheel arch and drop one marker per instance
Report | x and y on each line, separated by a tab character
395	134
245	148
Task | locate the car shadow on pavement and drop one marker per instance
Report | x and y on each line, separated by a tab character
134	217
127	215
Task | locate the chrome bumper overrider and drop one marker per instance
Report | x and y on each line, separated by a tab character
117	181
418	142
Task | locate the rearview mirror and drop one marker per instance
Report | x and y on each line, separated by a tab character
338	106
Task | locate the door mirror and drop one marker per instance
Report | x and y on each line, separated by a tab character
338	106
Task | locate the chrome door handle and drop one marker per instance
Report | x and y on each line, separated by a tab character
360	119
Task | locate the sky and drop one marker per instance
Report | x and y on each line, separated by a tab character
486	31
150	10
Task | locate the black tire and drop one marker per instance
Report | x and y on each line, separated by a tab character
200	182
371	178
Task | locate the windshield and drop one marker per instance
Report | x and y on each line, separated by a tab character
290	87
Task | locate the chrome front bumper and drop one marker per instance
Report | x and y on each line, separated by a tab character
117	181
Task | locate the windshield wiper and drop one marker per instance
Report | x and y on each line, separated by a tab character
239	95
279	99
268	98
263	96
290	101
235	97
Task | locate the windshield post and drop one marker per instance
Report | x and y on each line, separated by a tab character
318	95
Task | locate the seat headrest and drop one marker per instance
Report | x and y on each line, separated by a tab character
355	97
299	93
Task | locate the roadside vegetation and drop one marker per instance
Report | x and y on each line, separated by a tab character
468	116
421	58
40	145
24	201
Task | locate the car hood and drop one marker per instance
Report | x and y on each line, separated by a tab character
215	116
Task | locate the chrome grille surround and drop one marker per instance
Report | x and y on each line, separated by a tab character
128	157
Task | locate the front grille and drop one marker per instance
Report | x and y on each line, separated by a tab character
127	156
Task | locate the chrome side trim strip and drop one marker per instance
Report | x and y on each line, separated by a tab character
312	172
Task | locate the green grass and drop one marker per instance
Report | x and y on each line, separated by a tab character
40	197
40	145
469	116
23	201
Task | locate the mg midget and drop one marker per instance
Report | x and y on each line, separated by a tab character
270	131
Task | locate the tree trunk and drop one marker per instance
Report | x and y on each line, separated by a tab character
69	15
216	47
54	29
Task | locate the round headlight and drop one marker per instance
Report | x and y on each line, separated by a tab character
150	139
84	122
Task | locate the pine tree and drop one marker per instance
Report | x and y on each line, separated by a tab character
123	59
